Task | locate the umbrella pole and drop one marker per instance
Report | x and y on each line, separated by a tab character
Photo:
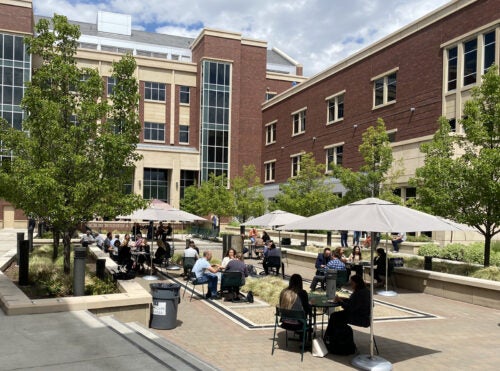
370	361
387	292
172	267
151	276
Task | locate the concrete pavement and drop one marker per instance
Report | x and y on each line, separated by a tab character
460	337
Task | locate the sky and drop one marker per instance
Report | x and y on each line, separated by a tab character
315	33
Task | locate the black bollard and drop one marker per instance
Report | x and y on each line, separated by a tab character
328	238
100	268
24	262
305	238
428	263
20	237
79	271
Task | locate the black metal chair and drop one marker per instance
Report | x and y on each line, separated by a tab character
291	320
187	264
231	283
194	281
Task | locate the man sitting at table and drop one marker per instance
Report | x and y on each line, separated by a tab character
334	263
205	272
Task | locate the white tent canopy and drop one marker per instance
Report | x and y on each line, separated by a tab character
274	219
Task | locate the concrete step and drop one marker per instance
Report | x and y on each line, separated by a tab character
167	354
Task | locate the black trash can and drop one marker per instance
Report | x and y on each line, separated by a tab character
428	263
166	299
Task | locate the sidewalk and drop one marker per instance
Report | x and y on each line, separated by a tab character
461	337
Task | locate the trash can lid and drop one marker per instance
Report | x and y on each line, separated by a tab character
165	286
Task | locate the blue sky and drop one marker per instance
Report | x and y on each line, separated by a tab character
316	33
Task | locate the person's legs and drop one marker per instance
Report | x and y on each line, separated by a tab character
395	244
212	283
316	279
265	266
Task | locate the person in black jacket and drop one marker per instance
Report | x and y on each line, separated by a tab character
356	308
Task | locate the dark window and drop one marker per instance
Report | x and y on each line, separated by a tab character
489	50
111	85
183	134
470	62
184	95
452	68
453	125
154	91
188	178
155	184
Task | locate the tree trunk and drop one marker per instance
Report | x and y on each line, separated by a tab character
55	244
487	246
67	251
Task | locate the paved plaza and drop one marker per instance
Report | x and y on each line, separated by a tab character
453	335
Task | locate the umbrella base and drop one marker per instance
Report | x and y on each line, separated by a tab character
173	268
375	363
387	293
150	278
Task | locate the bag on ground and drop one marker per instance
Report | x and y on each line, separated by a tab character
319	348
340	340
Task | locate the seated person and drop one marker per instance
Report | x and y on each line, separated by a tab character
396	240
230	255
355	256
294	297
334	263
321	260
379	272
356	308
205	272
265	237
190	253
141	246
125	254
272	258
162	252
367	243
113	253
238	265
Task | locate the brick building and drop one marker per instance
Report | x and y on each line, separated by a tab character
221	101
409	79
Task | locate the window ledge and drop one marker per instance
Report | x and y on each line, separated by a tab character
154	101
154	141
335	121
384	105
268	144
297	134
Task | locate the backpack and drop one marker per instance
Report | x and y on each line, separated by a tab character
250	297
340	340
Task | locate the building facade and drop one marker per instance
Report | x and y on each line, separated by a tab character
409	79
221	101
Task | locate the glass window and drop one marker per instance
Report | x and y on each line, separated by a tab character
296	165
184	95
269	95
470	62
489	50
334	156
452	68
384	89
183	134
188	178
336	108
154	91
155	184
299	122
453	125
154	131
111	85
271	133
270	171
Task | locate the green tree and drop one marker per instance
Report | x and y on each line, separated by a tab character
308	193
210	197
247	192
74	154
373	178
464	185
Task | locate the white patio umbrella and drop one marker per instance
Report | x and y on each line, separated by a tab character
375	215
161	211
274	219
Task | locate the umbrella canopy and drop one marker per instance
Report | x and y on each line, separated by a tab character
373	214
161	211
274	219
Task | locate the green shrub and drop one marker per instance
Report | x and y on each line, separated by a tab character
96	286
474	253
430	250
490	273
414	262
267	288
453	251
421	238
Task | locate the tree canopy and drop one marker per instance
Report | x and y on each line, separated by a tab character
373	178
247	192
76	150
466	187
308	193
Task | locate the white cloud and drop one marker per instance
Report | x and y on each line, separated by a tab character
317	33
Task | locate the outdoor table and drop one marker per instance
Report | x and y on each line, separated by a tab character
358	267
320	301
